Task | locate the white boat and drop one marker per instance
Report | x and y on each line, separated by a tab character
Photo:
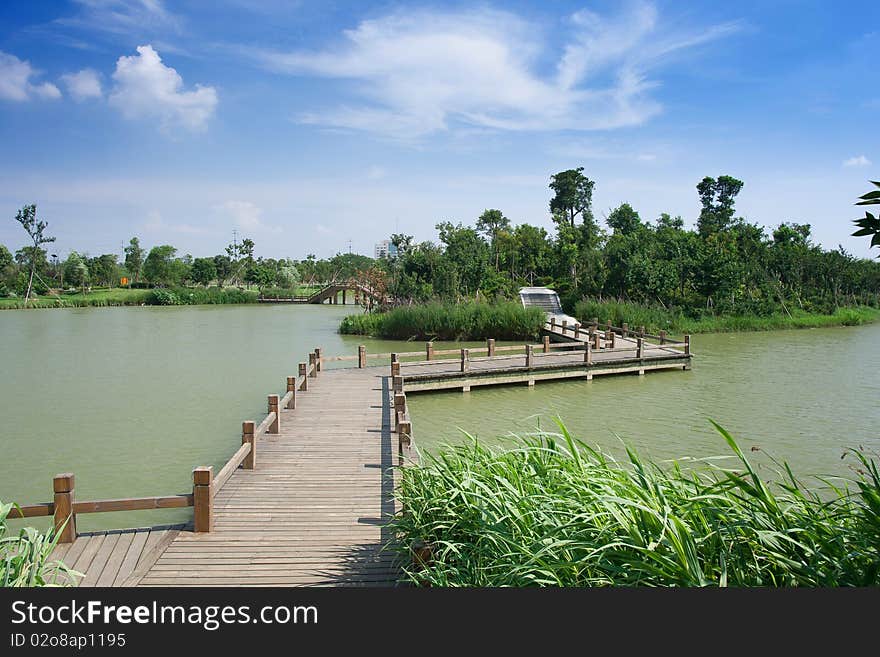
548	301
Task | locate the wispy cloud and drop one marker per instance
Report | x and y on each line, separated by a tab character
417	72
147	88
16	84
123	17
156	224
83	84
857	161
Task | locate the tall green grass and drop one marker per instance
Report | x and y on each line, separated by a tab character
552	511
468	321
25	557
655	318
138	297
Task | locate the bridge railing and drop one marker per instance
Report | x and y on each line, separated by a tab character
64	508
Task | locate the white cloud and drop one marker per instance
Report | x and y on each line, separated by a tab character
83	85
15	81
858	161
146	88
418	72
246	216
156	224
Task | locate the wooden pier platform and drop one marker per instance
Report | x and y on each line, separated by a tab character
307	499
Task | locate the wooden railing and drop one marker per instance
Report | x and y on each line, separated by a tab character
64	508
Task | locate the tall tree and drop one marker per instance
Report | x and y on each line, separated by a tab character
491	223
27	217
573	195
222	268
717	198
134	258
159	265
203	271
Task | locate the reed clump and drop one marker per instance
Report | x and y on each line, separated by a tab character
25	557
552	511
447	321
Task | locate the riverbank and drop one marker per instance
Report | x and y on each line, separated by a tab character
655	319
445	321
550	511
179	296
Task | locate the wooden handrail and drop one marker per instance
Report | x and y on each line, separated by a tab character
261	429
231	466
106	506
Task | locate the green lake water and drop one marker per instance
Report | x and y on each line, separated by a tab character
131	399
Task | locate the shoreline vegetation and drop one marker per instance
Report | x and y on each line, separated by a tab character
446	321
174	296
510	321
551	511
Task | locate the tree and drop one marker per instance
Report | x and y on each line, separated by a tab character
717	198
573	195
223	268
27	217
159	265
241	255
76	272
491	223
870	225
624	220
134	258
203	271
288	275
104	269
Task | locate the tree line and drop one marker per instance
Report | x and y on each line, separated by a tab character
725	265
33	270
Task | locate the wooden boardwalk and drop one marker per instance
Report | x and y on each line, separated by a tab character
308	502
314	509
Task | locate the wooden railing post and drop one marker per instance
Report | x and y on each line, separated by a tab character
465	360
395	358
291	388
303	372
399	407
546	344
203	499
597	341
275	426
662	336
577	331
641	331
404	438
588	353
247	436
63	485
319	360
529	353
429	350
595	322
613	339
395	368
639	347
608	333
625	332
362	356
313	365
553	324
564	326
687	345
397	384
490	346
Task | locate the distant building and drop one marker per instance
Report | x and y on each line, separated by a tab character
385	249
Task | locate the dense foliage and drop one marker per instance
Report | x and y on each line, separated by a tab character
553	512
467	321
727	266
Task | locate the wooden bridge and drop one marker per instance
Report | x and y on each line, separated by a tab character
331	293
307	499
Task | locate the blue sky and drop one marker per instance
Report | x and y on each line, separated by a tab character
306	125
